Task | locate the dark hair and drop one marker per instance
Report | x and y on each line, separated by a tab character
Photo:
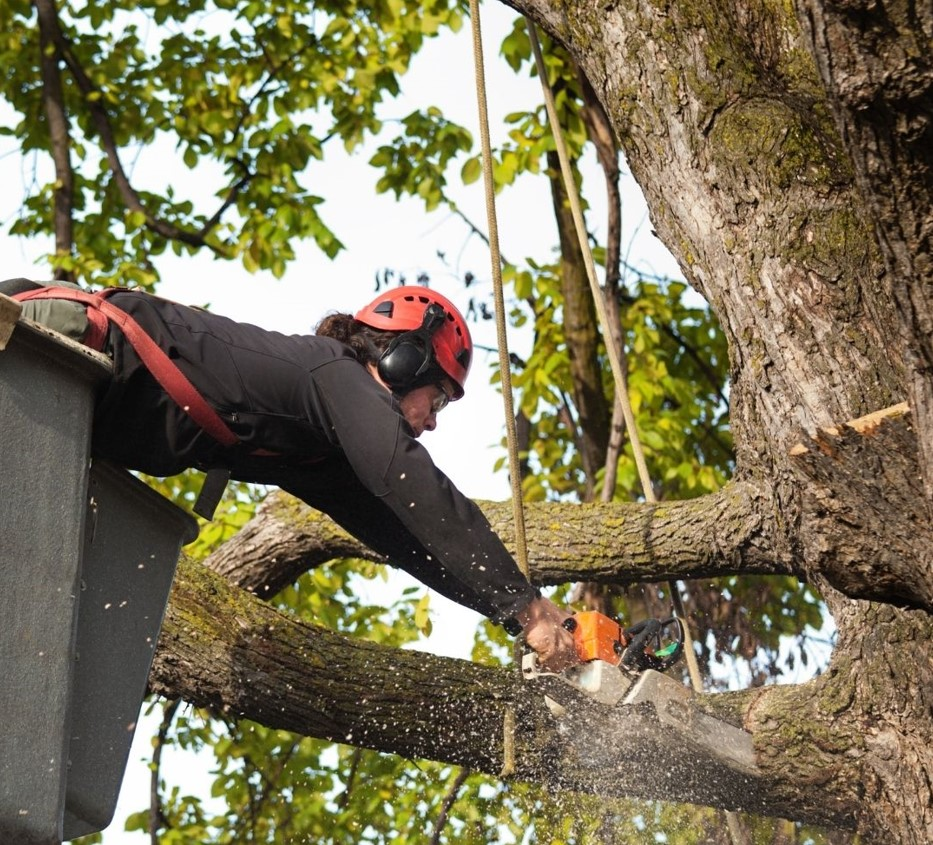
367	343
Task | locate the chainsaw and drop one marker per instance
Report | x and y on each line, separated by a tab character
612	657
623	666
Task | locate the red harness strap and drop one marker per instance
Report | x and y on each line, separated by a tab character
173	381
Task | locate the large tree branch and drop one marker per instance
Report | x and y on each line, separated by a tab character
130	195
716	535
582	338
224	649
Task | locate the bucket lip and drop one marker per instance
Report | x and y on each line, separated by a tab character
88	364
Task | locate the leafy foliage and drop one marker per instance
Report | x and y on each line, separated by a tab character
677	369
416	162
247	92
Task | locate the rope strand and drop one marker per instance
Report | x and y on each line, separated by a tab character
505	372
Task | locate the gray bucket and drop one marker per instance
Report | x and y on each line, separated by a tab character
87	556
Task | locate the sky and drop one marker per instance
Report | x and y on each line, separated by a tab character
379	232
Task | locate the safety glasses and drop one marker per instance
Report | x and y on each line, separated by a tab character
441	400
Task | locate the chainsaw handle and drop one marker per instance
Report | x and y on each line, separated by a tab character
645	645
639	655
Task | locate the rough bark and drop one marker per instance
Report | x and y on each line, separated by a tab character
870	710
876	63
285	539
856	480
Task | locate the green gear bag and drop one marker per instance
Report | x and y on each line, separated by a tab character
67	318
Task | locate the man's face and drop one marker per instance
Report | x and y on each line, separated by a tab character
421	406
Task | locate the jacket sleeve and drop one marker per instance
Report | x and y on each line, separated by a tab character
333	488
407	508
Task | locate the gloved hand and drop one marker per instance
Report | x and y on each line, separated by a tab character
542	624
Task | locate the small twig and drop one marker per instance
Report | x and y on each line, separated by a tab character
449	800
351	778
157	818
508	743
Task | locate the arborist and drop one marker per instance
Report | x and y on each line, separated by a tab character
332	418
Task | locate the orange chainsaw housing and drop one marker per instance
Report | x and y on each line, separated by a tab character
597	637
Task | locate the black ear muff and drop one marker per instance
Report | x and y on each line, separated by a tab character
411	355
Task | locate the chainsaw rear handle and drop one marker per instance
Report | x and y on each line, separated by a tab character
640	654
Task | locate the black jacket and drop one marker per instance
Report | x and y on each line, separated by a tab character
339	443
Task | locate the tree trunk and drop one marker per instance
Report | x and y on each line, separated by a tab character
732	128
876	63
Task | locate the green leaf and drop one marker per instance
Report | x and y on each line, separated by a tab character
422	615
472	170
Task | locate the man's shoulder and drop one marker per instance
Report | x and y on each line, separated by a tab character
328	346
325	351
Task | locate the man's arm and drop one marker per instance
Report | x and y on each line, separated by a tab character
395	469
333	488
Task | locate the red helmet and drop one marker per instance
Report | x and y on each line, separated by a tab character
402	309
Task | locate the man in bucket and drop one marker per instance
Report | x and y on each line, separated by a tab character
333	418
